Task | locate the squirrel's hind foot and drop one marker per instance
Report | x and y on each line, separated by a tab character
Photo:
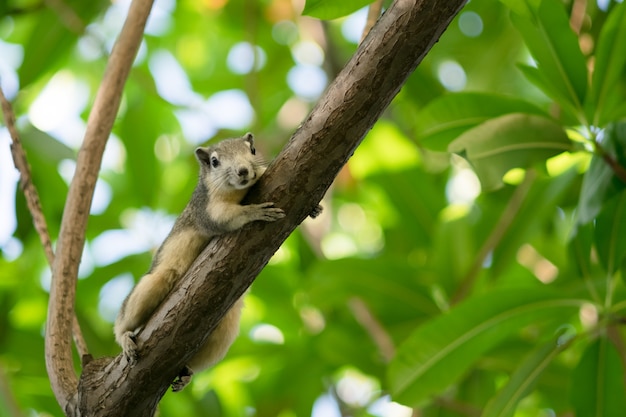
317	210
182	380
129	346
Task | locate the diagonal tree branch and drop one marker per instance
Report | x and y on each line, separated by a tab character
72	235
295	181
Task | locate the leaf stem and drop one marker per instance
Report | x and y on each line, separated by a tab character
618	170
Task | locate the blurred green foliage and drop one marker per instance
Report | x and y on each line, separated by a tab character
472	254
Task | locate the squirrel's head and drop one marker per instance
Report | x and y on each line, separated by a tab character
230	164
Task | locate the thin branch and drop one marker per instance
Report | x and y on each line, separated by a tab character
373	13
7	398
459	407
26	182
75	215
17	11
377	332
374	328
34	206
495	237
67	16
333	63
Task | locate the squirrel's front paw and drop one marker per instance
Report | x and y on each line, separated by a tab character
129	346
268	213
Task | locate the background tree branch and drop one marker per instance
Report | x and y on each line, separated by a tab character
296	181
26	182
71	240
34	206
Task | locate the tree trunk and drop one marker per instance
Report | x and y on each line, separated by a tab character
295	181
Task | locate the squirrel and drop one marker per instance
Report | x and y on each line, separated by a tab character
227	170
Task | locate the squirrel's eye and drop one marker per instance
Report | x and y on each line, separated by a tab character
253	150
215	162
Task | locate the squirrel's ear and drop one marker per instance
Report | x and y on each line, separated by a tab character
203	155
249	137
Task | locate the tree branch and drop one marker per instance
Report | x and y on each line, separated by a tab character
459	407
495	237
296	181
17	11
373	12
75	215
34	206
26	181
374	328
11	408
67	16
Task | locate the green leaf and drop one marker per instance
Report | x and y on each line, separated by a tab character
49	148
610	233
51	40
598	382
555	48
332	9
417	210
539	79
438	353
522	380
445	118
609	66
511	141
599	182
453	251
579	249
336	281
522	7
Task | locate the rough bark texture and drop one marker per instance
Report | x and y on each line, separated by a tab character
295	181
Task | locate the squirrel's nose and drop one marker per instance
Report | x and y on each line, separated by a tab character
243	172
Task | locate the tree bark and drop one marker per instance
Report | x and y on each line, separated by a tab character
296	181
